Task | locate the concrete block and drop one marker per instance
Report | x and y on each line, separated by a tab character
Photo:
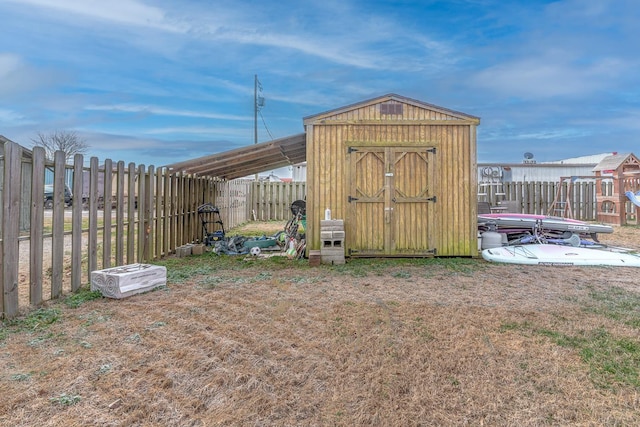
332	251
331	223
332	228
326	234
333	243
333	260
184	250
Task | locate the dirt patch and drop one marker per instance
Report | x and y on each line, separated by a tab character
266	342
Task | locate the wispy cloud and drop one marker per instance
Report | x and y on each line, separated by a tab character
12	118
543	78
125	12
149	109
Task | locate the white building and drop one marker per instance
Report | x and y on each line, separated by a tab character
532	171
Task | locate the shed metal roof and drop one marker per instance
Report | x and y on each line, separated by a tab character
248	160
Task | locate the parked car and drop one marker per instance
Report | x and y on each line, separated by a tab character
48	196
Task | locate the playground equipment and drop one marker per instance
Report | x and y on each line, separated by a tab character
616	177
614	207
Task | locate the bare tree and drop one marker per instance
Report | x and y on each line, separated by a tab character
67	141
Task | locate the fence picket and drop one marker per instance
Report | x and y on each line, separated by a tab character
93	214
120	190
107	199
37	227
131	213
76	223
57	240
11	225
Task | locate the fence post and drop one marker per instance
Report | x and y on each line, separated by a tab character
106	213
57	240
93	214
131	213
10	227
142	206
37	226
76	221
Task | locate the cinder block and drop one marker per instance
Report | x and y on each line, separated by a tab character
333	243
197	249
331	223
332	228
338	234
127	280
332	251
333	260
326	234
184	250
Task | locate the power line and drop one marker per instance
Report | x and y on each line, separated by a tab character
265	125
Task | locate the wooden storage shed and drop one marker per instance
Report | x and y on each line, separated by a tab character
401	174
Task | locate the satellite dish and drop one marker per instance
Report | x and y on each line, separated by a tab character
487	171
528	156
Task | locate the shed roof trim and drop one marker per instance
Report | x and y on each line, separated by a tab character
385	98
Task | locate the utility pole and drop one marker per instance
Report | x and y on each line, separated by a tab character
255	109
255	112
258	102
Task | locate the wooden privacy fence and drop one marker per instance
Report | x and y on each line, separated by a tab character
545	198
271	201
151	213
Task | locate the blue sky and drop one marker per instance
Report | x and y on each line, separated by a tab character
157	82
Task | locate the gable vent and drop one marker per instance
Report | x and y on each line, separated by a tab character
389	108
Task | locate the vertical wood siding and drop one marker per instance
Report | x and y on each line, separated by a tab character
453	229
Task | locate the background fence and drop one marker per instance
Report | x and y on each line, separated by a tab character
548	198
272	201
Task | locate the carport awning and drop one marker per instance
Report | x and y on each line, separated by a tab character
248	160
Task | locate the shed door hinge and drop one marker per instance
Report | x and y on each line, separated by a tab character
433	251
431	150
352	251
432	199
351	150
352	199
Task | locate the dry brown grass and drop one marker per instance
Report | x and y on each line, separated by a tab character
254	343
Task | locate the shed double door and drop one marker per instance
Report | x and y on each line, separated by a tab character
392	201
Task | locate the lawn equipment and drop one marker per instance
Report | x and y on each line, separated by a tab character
212	226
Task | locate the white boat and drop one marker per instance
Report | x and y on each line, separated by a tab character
541	254
552	223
